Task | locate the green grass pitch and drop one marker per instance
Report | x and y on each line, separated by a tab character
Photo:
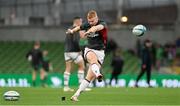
96	97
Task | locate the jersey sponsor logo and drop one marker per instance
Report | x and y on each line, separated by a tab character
92	35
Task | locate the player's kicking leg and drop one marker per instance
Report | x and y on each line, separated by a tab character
93	72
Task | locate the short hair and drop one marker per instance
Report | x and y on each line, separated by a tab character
77	17
91	14
147	41
37	43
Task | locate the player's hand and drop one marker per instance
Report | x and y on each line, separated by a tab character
82	34
69	31
86	33
29	58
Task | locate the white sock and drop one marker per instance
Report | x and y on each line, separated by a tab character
66	79
85	83
80	76
95	69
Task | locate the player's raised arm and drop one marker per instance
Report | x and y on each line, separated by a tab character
95	28
71	31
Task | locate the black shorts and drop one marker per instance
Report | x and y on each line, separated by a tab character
46	68
115	74
36	67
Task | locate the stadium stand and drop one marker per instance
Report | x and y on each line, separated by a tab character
13	57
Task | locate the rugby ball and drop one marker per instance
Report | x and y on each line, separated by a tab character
11	95
139	30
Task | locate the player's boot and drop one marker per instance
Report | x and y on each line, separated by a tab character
136	85
100	78
67	89
74	98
